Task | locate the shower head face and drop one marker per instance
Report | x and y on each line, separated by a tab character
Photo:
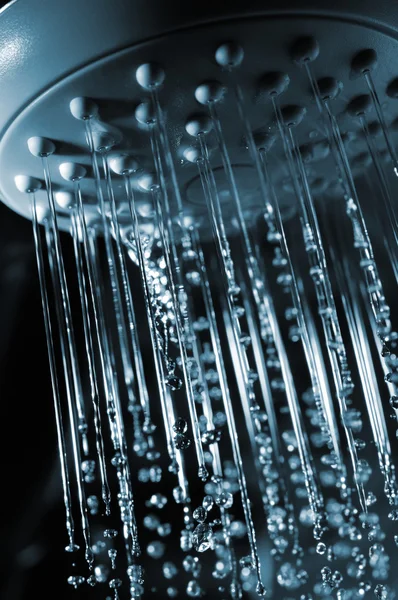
187	58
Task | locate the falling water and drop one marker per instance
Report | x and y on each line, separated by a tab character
70	527
223	361
88	329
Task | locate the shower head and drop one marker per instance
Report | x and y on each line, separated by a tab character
227	176
97	51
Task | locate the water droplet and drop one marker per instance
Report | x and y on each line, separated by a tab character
208	502
98	547
178	494
101	573
93	504
212	436
381	592
76	580
238	529
200	514
110	533
202	537
203	473
193	589
394	402
321	548
157	500
88	469
180	425
191	564
246	562
112	553
155	474
225	499
92	581
260	589
151	522
370	499
135	573
164	529
193	277
181	441
360	444
169	570
233	290
156	549
174	382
